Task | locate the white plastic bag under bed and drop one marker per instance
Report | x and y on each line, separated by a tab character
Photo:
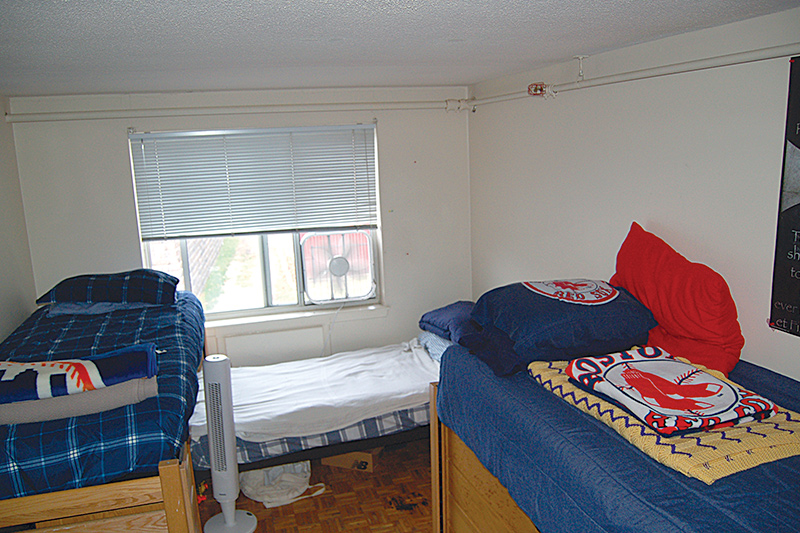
279	485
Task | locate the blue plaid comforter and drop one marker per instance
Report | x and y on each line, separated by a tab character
112	445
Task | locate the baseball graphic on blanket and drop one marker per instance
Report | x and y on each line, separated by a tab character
671	396
670	387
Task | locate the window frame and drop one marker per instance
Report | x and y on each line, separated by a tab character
303	302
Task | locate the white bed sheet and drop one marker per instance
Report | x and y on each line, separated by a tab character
324	394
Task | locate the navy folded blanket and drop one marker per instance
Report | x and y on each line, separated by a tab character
50	379
451	321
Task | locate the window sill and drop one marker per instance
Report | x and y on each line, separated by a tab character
301	318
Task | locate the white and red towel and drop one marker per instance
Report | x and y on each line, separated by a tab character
25	381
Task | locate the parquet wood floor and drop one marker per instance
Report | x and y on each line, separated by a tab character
395	497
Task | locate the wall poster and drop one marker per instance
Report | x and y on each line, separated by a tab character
785	310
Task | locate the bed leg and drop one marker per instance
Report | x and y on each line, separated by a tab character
436	470
179	493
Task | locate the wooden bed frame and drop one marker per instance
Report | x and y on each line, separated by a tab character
466	497
166	502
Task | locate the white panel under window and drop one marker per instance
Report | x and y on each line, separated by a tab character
274	347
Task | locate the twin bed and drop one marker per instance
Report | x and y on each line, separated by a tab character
123	468
518	444
566	471
324	406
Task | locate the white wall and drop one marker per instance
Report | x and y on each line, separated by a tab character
79	202
695	158
16	281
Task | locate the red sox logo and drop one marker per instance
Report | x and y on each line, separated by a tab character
669	394
578	291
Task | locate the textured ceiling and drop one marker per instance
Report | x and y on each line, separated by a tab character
121	46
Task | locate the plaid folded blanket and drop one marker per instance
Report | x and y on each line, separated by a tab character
50	379
707	455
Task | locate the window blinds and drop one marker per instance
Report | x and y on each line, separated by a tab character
191	184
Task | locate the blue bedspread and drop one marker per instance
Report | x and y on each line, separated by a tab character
570	472
112	445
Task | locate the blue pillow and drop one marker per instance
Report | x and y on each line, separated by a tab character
495	348
555	320
142	285
434	344
451	321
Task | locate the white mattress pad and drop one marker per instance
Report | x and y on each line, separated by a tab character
313	396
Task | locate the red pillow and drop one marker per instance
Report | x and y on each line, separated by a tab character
692	304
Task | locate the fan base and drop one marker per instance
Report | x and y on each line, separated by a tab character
244	522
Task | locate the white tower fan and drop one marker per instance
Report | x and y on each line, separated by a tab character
222	442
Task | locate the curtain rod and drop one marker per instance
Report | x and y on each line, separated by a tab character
740	58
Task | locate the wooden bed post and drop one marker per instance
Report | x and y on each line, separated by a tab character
180	494
436	471
167	502
467	497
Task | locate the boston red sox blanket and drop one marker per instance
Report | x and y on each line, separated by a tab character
669	395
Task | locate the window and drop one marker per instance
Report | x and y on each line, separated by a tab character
254	219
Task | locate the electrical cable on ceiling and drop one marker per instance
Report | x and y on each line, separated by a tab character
456	105
740	58
580	66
